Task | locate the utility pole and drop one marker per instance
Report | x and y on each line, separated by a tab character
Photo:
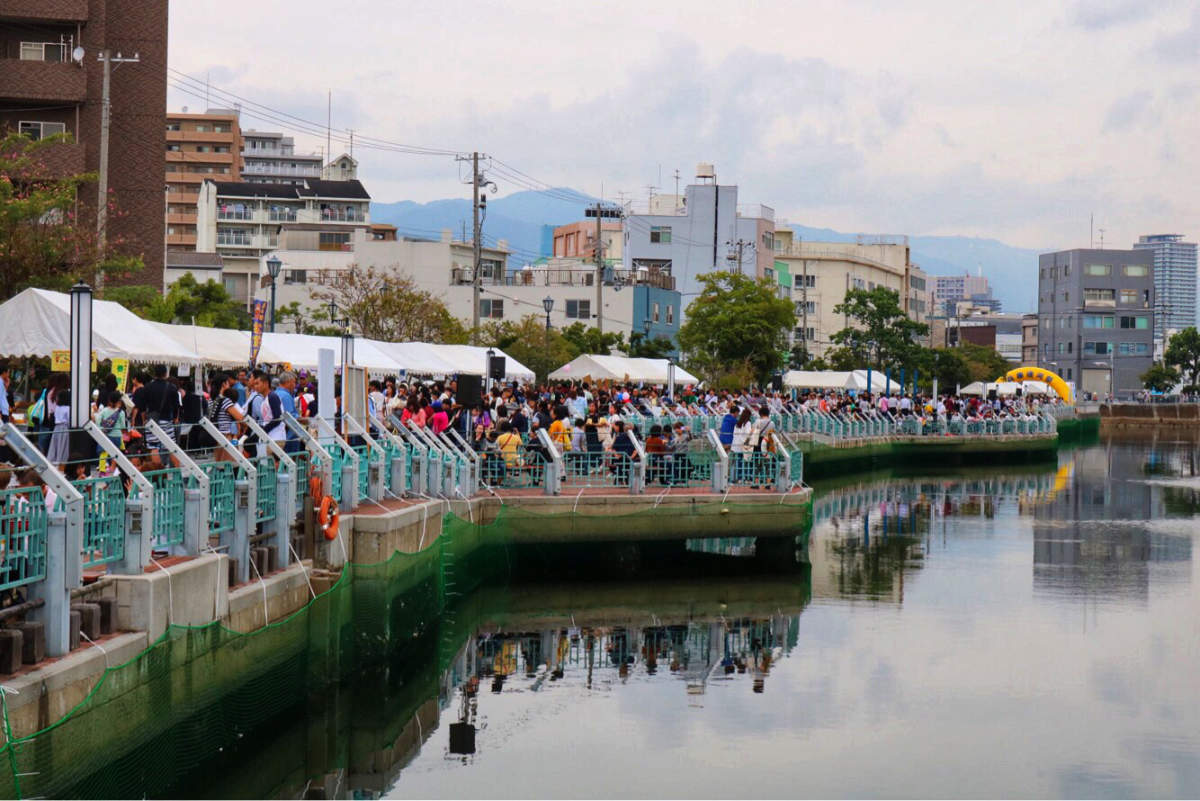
600	212
478	212
107	59
738	247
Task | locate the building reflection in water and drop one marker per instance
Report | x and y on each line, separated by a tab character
1108	531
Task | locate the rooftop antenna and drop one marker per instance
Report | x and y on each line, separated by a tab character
328	124
1101	238
1092	230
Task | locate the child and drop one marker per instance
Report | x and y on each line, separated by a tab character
59	452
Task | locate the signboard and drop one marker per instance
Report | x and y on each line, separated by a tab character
354	396
120	371
60	361
256	329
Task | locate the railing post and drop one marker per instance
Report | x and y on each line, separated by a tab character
245	501
554	467
472	481
439	475
374	469
399	481
720	469
420	459
64	546
285	496
637	469
783	465
195	499
350	467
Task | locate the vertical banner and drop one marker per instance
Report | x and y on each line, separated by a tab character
120	371
256	329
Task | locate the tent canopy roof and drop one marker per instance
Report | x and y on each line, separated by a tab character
472	360
37	321
620	368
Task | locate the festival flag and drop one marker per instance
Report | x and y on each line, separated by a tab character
256	329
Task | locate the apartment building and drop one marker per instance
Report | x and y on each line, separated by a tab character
950	290
243	222
200	147
633	303
1174	282
51	81
1096	309
577	240
1029	339
270	158
704	231
821	273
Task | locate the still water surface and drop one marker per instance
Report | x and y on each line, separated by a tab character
1025	631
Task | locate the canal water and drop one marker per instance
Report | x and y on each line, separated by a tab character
1025	631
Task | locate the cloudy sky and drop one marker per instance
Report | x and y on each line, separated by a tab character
1009	120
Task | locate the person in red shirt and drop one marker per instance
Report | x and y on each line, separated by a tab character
439	422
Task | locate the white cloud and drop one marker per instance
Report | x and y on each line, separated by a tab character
851	113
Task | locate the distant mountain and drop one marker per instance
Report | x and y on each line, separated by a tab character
525	220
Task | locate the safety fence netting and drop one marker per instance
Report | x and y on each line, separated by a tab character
172	720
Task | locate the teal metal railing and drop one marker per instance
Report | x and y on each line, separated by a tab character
22	537
221	477
168	506
267	485
103	519
595	469
302	465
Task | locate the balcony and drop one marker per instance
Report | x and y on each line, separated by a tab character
577	277
186	217
306	171
281	216
244	215
195	157
341	215
45	10
42	81
200	136
182	198
181	239
233	240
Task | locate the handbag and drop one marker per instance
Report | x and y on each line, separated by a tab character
37	412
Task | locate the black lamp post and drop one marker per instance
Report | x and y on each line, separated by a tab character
332	311
646	327
487	383
548	305
273	265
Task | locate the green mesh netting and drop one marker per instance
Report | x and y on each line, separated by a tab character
179	718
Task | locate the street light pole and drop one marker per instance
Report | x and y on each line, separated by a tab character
548	305
273	266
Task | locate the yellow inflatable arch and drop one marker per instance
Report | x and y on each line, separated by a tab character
1023	374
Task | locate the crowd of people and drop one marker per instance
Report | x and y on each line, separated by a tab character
584	420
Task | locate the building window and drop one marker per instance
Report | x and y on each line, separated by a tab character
220	128
1136	270
1062	348
1140	322
201	128
328	240
295	276
1066	270
172	148
670	314
1099	321
1098	269
1108	296
1066	297
660	234
579	309
1097	348
492	309
173	126
230	285
804	281
655	315
36	130
1069	374
1129	297
43	51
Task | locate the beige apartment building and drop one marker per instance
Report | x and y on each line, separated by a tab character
821	273
199	147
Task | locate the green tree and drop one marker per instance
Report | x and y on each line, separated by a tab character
1160	378
948	366
530	343
383	305
1183	352
882	332
734	321
187	301
643	347
589	339
984	363
43	240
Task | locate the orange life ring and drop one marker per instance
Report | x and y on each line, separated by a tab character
314	487
328	517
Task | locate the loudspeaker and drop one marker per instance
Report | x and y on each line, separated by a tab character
496	368
991	394
777	383
470	390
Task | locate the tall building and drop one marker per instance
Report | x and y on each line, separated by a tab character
1096	310
271	158
200	147
950	290
51	81
1174	281
702	232
820	274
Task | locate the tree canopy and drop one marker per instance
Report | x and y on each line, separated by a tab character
1183	352
187	302
43	241
1160	378
883	335
385	306
736	323
530	343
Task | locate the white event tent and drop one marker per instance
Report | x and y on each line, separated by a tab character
36	321
838	379
472	360
620	368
